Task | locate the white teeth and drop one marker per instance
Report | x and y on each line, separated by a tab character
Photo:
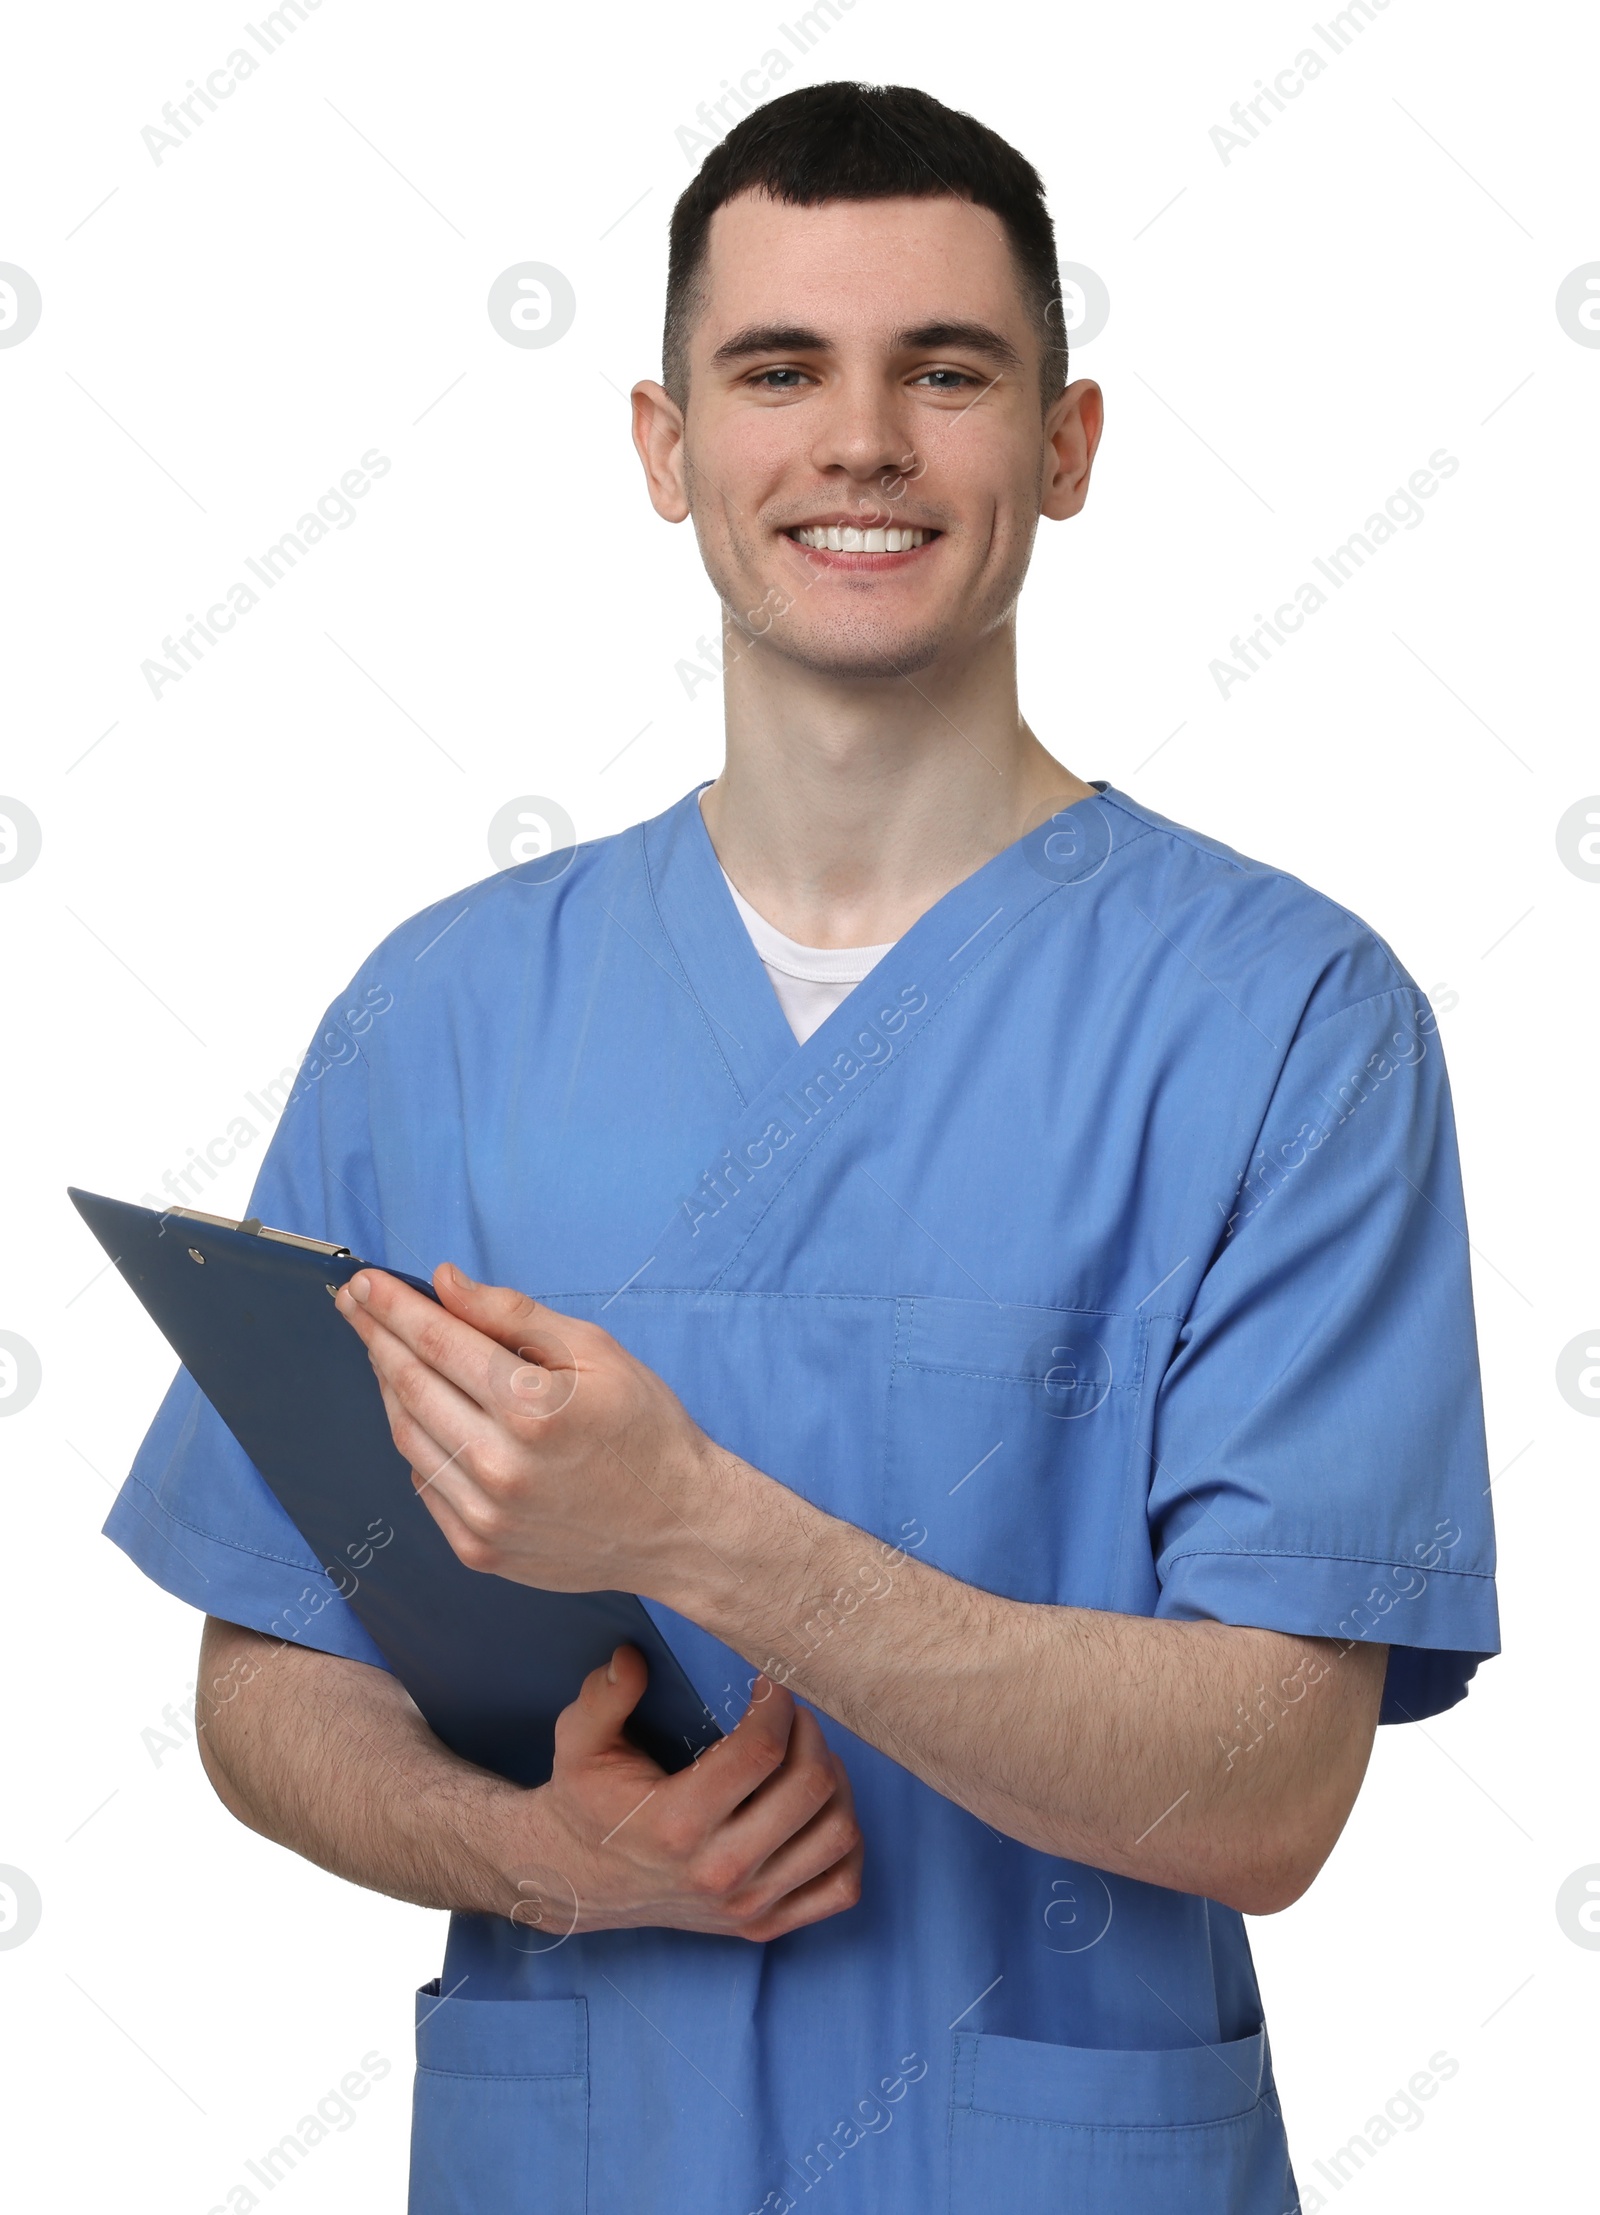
846	538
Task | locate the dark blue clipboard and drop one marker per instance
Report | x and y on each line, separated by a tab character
489	1663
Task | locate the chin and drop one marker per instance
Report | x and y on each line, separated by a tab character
860	652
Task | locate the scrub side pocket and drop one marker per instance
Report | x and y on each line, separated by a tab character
500	2116
1143	2133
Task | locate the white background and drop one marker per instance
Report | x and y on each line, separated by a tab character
1292	333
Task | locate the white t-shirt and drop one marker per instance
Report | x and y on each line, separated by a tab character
810	981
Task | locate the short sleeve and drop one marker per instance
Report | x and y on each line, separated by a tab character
194	1513
1320	1465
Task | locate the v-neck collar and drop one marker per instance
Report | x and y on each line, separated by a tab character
749	1032
727	979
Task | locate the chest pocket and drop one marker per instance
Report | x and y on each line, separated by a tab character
1013	1443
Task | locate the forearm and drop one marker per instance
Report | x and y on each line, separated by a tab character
331	1759
1108	1739
555	1458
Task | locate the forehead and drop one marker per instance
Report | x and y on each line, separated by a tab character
857	266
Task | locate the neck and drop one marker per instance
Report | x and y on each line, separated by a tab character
846	806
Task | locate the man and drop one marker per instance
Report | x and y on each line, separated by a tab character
1008	1317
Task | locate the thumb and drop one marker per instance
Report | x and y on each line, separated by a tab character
490	1308
515	1318
593	1723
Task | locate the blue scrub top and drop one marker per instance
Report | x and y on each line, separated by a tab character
1105	1247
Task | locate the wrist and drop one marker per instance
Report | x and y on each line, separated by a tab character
499	1833
747	1541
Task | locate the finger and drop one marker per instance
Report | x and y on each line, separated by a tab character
417	1445
465	1541
791	1798
833	1893
401	1326
729	1771
513	1319
433	1472
433	1426
831	1836
592	1724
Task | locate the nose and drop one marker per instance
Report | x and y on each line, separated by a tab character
860	431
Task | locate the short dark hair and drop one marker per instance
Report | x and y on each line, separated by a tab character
865	142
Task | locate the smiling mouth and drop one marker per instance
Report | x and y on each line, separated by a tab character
850	538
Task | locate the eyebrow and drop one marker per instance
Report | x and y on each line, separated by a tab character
768	338
972	338
795	338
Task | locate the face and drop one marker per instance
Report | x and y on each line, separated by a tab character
862	448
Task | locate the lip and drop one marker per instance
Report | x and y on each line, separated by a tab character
855	519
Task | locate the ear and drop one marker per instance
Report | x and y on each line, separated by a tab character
1072	433
658	439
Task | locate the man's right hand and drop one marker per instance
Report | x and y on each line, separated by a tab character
755	1838
331	1758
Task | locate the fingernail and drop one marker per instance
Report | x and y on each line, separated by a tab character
359	1287
459	1277
611	1670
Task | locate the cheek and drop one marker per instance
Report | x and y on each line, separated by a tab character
994	508
729	551
986	455
1002	526
745	465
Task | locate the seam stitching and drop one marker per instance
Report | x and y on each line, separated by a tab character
1280	1553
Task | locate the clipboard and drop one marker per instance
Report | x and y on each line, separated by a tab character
490	1664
